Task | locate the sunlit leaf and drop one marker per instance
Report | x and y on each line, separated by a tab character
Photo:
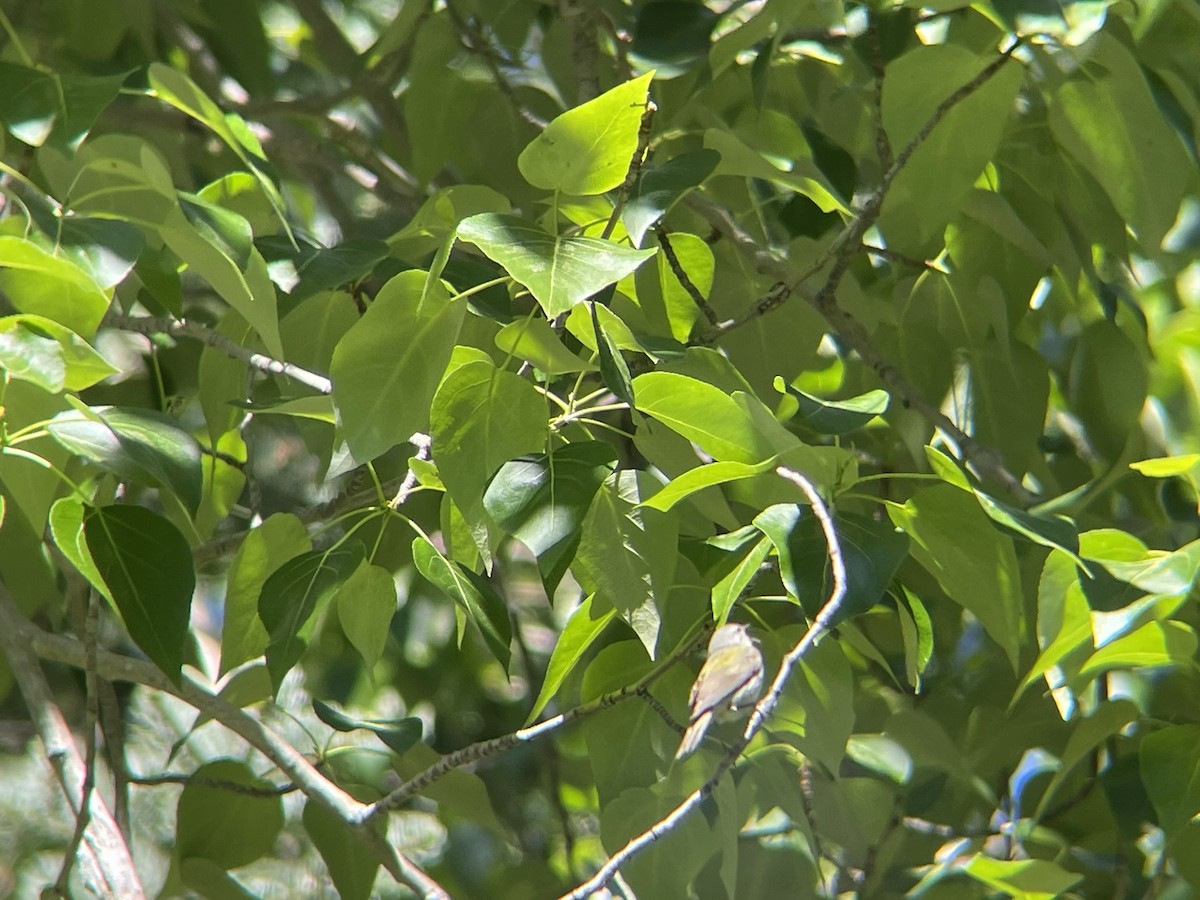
559	271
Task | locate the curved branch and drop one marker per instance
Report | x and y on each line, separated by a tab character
840	253
149	325
762	709
494	747
16	630
105	859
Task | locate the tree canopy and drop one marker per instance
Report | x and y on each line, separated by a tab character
395	394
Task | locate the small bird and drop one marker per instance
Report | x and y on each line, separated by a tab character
730	680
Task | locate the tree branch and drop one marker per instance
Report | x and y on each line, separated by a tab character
106	863
682	277
16	630
149	325
477	42
486	749
883	145
90	618
634	169
762	710
840	253
580	16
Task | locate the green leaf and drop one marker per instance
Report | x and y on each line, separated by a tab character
366	604
703	414
917	631
398	734
247	286
121	176
351	864
211	881
823	698
685	849
472	593
1073	630
726	592
139	445
294	593
672	36
559	271
481	418
66	527
1027	879
872	552
613	368
587	150
327	268
702	477
387	367
659	188
542	500
1167	466
227	827
1057	532
1153	571
28	353
800	174
669	308
627	552
1086	736
880	754
929	191
1107	119
318	407
177	89
107	249
974	564
585	625
266	548
438	218
1170	768
946	468
50	286
1107	385
224	229
533	340
147	566
836	416
39	106
1154	644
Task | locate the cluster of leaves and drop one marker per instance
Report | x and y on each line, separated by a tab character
447	352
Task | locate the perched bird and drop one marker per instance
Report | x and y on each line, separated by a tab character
730	680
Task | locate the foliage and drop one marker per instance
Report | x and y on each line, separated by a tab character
405	386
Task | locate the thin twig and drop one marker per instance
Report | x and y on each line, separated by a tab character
422	442
112	728
478	43
89	624
249	790
682	276
227	543
909	261
149	325
762	709
486	749
16	630
635	168
883	145
840	253
106	863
